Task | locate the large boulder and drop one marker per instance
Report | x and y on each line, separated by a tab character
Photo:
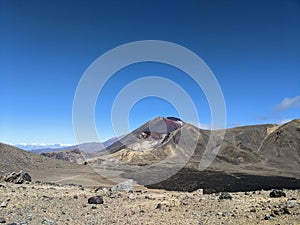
126	186
17	178
225	195
96	200
277	194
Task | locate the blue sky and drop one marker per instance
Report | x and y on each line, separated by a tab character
252	47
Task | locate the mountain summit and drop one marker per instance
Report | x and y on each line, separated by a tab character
148	136
158	127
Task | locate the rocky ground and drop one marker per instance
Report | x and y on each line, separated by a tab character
47	203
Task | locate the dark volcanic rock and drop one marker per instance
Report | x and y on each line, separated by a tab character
268	217
17	178
95	200
19	223
212	182
281	211
74	155
225	195
277	194
159	206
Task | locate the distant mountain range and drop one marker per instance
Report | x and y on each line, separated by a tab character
36	146
77	153
47	148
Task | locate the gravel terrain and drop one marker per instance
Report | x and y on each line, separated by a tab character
48	203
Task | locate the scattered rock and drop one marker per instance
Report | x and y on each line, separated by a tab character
48	221
159	206
125	186
22	188
225	195
277	194
17	178
286	210
5	203
119	195
232	214
46	198
23	223
242	209
19	223
105	190
281	211
277	212
131	196
149	197
95	200
207	214
199	191
168	204
202	199
97	189
183	203
291	203
111	195
81	188
268	217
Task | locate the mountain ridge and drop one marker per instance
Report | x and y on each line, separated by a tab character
238	153
157	155
46	169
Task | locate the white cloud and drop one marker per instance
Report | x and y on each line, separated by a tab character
288	103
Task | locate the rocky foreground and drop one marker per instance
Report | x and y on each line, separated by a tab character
48	203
